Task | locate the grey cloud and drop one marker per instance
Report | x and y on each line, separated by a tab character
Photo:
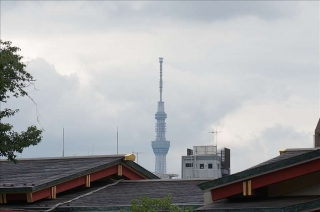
219	10
103	16
279	134
88	129
267	146
268	63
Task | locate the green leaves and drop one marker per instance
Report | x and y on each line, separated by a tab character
13	76
13	80
12	142
146	204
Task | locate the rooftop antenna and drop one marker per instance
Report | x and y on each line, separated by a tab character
137	155
63	142
215	132
117	141
160	85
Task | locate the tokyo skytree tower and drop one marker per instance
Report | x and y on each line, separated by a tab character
160	146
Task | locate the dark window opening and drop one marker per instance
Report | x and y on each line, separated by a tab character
189	164
201	166
210	166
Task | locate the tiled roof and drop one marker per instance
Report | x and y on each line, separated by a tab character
183	192
287	159
277	204
283	156
33	174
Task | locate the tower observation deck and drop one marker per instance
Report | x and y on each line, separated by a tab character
160	146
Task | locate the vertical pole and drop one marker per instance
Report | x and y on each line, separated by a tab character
62	142
137	157
117	141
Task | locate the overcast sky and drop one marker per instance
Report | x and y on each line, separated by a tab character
248	69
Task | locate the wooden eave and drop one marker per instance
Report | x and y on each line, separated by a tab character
120	167
261	170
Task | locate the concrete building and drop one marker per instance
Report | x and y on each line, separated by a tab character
205	162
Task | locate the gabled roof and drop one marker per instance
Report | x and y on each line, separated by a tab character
39	178
287	159
119	196
33	174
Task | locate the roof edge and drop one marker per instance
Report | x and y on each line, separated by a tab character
67	157
139	168
254	172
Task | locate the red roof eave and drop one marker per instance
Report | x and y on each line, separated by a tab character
265	179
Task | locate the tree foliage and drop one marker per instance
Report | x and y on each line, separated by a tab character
14	79
146	204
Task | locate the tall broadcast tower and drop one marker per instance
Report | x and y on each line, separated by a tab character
160	146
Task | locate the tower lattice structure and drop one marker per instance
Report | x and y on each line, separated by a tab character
160	146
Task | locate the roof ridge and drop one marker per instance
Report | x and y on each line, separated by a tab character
164	180
67	157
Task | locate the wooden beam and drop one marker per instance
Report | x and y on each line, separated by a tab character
88	181
29	197
53	192
1	199
4	198
249	188
119	170
244	188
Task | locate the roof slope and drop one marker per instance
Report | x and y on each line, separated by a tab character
183	192
33	174
265	205
287	159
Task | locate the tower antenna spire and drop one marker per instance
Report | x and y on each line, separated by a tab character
161	83
160	146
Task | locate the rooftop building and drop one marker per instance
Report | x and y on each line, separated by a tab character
205	162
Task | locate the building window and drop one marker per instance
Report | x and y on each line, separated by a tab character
201	166
189	164
210	166
218	166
